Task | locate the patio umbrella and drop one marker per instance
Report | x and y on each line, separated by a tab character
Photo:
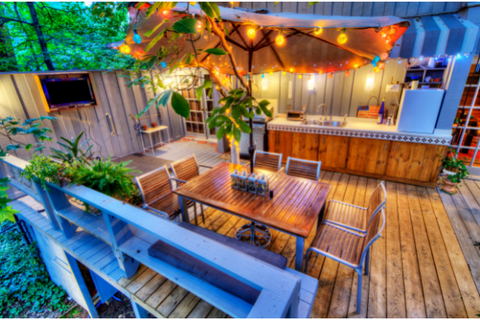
263	42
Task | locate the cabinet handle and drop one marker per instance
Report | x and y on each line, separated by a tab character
111	125
395	147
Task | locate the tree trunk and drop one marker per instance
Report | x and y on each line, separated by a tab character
41	39
8	55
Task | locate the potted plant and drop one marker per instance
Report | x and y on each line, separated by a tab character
456	171
154	124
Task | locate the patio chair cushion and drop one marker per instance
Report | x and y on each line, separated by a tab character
264	255
205	272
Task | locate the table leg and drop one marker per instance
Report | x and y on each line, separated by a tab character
168	137
320	216
143	144
184	209
299	254
151	143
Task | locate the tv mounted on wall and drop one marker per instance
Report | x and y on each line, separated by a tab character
66	93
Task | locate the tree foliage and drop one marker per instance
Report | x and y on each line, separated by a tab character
61	36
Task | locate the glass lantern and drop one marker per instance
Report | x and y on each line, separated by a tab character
242	181
234	180
262	186
252	183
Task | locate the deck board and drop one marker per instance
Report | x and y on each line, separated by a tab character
424	265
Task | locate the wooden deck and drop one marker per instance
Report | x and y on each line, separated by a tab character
421	264
418	267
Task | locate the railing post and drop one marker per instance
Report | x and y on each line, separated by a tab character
58	201
47	205
120	232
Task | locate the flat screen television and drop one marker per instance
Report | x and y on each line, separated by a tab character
63	93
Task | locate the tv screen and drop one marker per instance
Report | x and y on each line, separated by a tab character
68	92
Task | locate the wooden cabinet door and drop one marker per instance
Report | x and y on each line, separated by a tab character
305	146
415	161
280	142
332	151
367	155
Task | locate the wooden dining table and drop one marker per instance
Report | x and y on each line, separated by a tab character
296	205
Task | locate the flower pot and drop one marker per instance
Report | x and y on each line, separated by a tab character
154	125
450	187
144	127
450	171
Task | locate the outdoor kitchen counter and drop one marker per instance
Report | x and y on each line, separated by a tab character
362	128
363	148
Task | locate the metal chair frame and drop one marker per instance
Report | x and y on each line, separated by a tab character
364	258
175	178
306	161
381	206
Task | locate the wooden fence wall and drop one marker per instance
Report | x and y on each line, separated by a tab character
367	9
20	97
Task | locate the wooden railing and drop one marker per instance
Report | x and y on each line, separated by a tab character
131	231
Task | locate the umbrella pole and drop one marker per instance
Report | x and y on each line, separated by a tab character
251	148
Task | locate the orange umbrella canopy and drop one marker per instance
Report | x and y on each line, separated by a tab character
270	42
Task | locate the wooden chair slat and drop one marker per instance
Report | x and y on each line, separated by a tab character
303	168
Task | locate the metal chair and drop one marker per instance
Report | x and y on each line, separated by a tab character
157	195
303	168
268	161
186	169
348	247
354	217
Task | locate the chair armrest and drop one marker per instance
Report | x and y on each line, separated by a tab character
204	166
178	180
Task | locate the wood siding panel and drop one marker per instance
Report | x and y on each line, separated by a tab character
332	151
367	155
305	146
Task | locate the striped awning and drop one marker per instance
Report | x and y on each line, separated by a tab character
428	36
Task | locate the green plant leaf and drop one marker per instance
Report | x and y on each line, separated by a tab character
157	38
211	9
220	132
263	105
13	147
216	51
28	146
185	26
244	126
199	93
7	214
235	112
180	105
237	134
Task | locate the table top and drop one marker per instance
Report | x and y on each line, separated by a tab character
294	208
157	128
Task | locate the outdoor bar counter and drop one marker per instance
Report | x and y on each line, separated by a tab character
363	148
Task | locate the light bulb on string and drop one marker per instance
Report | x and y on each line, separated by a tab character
125	49
251	32
381	66
166	13
291	70
318	31
136	37
320	72
347	74
384	56
376	69
199	26
330	75
311	83
284	72
392	30
300	76
271	72
342	38
280	39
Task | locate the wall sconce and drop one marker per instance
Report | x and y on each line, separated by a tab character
264	83
370	81
311	83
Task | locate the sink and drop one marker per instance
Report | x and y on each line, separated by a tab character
339	124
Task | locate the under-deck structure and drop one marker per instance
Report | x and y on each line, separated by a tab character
424	265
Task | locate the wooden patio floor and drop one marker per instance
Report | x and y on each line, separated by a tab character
420	266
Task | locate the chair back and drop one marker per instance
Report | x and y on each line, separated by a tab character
267	161
303	168
154	185
186	168
377	201
373	231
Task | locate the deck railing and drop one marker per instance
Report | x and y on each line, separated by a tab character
131	231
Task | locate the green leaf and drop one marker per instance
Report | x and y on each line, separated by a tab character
216	51
244	111
13	147
211	125
47	118
263	105
235	112
185	26
180	105
244	126
310	3
39	149
149	32
199	93
7	214
157	38
166	97
237	134
211	9
207	84
220	132
28	146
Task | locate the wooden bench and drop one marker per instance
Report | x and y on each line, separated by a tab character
130	231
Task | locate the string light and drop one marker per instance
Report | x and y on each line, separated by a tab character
251	32
311	83
381	66
318	31
342	38
384	56
166	13
125	49
280	40
355	66
392	30
300	76
271	72
284	72
347	74
330	75
199	26
376	69
320	72
291	70
136	37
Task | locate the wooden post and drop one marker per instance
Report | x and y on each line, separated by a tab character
47	205
58	201
139	311
77	275
120	232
